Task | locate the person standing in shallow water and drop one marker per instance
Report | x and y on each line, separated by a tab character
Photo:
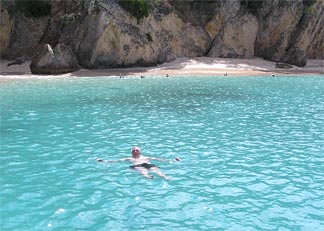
142	163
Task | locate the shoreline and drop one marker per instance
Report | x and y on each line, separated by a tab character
199	66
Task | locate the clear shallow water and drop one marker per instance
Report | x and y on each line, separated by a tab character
252	150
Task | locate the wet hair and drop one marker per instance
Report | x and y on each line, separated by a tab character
136	148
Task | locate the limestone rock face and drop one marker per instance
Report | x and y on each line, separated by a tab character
102	34
199	12
276	27
25	35
232	28
224	13
117	40
294	24
236	39
310	33
57	61
6	24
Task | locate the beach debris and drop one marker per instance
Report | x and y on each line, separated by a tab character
283	65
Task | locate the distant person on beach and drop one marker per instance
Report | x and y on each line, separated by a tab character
142	163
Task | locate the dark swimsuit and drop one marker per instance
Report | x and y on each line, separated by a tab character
144	165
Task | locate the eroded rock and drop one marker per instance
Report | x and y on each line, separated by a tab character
57	61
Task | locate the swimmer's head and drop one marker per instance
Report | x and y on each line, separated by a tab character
136	152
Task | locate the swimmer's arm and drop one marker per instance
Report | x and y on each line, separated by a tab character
112	161
165	160
154	158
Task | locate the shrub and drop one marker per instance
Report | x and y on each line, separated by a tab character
68	18
308	6
33	8
137	8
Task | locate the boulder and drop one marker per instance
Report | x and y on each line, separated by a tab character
295	56
57	61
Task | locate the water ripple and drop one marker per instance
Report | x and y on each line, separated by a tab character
251	149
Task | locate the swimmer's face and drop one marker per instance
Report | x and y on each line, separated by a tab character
136	152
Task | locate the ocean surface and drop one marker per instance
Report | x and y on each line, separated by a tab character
252	151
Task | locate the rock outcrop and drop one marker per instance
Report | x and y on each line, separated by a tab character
229	43
117	40
276	27
102	34
57	61
295	56
309	34
24	38
6	24
294	30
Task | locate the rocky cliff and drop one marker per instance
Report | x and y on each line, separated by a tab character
102	34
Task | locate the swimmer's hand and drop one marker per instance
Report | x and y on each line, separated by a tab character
174	160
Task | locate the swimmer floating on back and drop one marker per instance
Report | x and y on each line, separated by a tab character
142	163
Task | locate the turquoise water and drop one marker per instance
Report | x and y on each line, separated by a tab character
252	152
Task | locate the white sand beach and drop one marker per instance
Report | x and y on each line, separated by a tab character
200	66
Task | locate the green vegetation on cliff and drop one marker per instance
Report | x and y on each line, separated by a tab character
308	6
137	8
